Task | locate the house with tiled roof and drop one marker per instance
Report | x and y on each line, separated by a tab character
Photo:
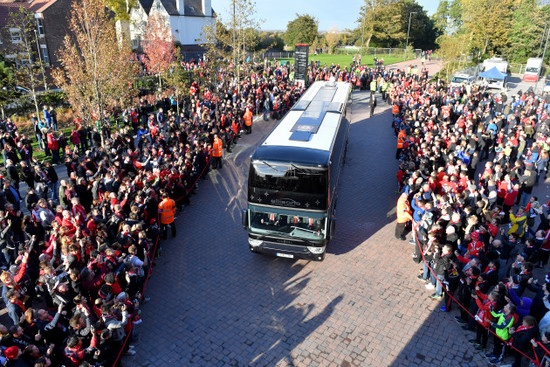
51	27
185	17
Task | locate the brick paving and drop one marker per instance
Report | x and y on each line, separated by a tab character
213	303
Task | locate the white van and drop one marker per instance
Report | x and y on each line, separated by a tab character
532	70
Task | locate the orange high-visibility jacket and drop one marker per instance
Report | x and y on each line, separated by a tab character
167	211
248	118
401	139
403	210
217	148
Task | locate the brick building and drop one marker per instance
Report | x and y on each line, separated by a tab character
51	28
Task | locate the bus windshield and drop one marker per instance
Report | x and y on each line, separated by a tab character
532	69
307	226
289	178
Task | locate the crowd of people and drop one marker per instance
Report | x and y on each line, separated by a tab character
76	252
469	161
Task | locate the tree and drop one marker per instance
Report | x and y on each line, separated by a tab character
448	17
7	81
96	73
30	68
525	34
270	40
159	50
441	17
218	48
332	38
451	49
370	15
178	78
423	32
233	35
121	8
303	29
488	22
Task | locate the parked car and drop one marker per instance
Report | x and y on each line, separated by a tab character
460	79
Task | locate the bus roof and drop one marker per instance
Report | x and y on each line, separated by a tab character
314	120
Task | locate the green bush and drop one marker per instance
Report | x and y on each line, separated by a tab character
24	105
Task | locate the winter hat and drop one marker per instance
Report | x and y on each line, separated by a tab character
11	352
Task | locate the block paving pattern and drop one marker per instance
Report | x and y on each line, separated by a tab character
213	303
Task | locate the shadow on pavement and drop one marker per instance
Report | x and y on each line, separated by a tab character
365	184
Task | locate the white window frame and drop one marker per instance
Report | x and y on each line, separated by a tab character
40	27
45	55
16	31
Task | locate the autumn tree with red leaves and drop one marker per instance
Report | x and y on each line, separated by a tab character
159	51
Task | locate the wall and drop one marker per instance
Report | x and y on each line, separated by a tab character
187	30
55	28
138	24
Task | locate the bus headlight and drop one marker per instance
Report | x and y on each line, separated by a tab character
254	243
315	250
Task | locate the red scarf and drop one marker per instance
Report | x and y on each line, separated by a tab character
20	304
521	328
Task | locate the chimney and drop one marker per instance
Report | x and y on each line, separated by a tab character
180	6
207	8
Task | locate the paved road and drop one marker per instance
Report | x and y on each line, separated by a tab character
213	303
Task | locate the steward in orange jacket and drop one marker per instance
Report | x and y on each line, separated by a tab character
217	152
167	213
400	142
403	216
248	121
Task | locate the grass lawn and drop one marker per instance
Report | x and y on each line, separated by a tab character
39	154
347	59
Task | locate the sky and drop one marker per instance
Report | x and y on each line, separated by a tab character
275	15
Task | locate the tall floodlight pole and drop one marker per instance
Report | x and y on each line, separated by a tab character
408	31
543	54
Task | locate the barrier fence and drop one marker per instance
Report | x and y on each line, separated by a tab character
534	360
155	248
152	257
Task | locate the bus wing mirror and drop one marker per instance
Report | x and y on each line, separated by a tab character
244	218
332	227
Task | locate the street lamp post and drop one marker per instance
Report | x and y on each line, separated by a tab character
408	31
543	55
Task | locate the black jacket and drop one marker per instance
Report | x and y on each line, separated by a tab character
441	263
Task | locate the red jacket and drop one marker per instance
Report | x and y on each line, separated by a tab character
53	142
483	315
510	197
